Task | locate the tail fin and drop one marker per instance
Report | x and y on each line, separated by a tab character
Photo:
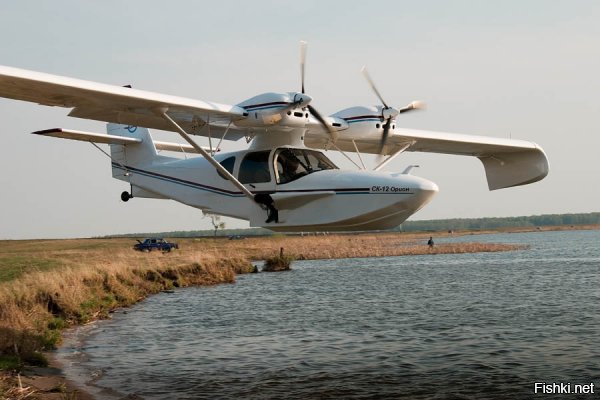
130	154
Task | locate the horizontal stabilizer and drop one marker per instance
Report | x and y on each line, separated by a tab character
113	139
87	136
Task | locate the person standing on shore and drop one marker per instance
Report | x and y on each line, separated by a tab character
430	242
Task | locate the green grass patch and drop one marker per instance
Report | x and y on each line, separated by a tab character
9	363
51	339
12	267
57	324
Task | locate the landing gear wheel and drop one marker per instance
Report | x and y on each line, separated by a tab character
125	196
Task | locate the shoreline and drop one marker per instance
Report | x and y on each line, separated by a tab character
50	383
47	383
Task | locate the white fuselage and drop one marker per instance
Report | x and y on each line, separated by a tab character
326	200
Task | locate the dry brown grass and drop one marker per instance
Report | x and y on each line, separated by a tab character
12	388
343	246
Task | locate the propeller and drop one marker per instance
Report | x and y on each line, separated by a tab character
332	132
302	62
368	77
388	113
413	105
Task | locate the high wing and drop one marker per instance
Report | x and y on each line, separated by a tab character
123	105
507	162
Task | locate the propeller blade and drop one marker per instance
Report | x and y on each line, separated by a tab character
302	62
319	117
366	74
385	134
415	105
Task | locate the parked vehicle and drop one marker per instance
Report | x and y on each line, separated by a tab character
150	244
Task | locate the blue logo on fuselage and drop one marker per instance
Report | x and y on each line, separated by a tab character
131	128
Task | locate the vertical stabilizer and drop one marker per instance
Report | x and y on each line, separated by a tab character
131	155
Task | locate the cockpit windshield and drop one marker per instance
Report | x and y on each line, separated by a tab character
291	164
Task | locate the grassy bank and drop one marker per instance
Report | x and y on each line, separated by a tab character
47	285
73	282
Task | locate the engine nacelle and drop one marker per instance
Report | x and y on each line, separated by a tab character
268	109
363	121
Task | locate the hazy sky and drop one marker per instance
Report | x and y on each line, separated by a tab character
521	69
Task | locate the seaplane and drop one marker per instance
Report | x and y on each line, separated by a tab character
284	180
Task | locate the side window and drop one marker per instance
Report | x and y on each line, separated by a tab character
228	164
255	168
317	161
289	165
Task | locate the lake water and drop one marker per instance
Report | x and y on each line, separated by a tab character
464	326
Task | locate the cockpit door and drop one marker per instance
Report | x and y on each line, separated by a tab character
256	172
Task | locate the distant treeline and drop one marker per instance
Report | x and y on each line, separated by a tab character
413	226
496	223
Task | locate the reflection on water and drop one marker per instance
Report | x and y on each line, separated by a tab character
468	326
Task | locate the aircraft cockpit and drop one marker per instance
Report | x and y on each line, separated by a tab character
278	166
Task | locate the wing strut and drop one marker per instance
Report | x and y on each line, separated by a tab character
223	137
358	154
345	155
206	155
212	153
392	156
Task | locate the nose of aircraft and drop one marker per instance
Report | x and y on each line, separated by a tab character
424	191
425	185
